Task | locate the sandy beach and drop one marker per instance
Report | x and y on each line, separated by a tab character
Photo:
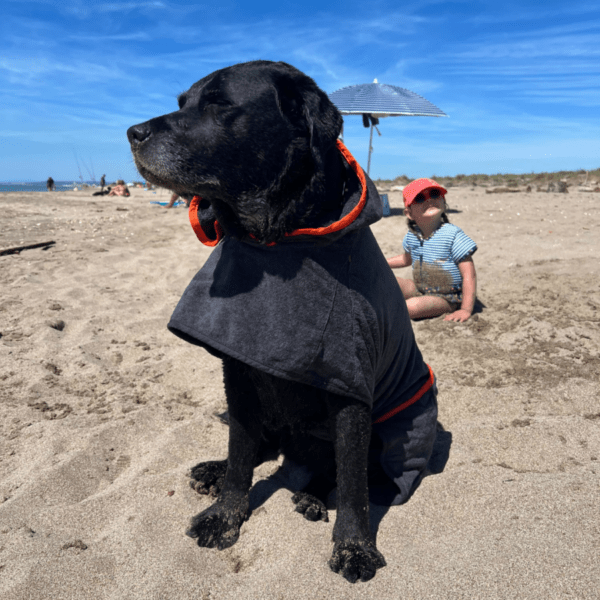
102	411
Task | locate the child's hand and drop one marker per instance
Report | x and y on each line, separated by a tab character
459	316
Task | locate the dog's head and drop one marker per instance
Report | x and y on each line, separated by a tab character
252	141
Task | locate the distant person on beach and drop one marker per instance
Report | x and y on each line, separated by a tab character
102	182
50	184
444	278
120	189
174	198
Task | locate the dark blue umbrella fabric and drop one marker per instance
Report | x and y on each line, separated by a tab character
376	100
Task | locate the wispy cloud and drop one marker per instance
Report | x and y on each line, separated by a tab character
83	9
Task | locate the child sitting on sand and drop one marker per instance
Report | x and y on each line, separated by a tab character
444	278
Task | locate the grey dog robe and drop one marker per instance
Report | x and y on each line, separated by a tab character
323	308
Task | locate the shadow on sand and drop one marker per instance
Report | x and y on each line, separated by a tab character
293	477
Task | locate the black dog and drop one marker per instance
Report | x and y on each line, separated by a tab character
319	357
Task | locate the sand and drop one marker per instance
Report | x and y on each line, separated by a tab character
102	411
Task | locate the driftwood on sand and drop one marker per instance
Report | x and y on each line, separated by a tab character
17	249
502	190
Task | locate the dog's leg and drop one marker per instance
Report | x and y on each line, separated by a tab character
319	458
207	478
219	525
355	555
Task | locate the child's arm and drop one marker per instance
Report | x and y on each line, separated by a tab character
469	291
402	260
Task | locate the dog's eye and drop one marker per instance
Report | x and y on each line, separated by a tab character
215	98
221	102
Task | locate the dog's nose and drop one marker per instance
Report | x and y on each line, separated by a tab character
138	133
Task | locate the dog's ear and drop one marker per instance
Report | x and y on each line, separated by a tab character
324	123
308	107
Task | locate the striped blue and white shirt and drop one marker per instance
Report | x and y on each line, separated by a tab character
435	259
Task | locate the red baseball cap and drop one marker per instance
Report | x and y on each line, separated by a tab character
417	186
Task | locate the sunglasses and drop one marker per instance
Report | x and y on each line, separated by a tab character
433	194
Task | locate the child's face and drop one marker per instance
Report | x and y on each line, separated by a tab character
430	209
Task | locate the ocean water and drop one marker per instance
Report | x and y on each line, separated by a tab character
40	186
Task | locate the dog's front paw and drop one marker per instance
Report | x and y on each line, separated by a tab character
309	506
216	527
207	477
356	560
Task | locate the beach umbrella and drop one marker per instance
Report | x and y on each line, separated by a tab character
376	100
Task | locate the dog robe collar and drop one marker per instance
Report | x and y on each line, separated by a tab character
209	240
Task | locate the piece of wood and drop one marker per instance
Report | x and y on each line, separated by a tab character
18	249
502	190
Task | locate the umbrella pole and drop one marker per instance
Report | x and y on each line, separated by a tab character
370	149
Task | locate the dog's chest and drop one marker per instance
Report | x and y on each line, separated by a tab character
288	404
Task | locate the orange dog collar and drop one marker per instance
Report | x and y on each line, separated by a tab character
208	240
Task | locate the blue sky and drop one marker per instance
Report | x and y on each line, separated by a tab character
520	80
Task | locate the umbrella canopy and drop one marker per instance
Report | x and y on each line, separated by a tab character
376	100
